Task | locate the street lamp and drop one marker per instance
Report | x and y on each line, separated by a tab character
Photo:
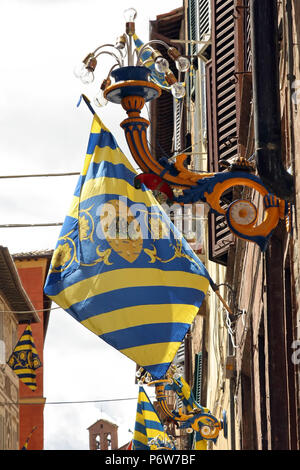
124	49
142	79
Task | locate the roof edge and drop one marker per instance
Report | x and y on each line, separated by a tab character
29	313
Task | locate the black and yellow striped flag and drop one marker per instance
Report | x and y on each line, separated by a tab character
24	359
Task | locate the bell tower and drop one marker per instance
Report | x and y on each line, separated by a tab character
103	435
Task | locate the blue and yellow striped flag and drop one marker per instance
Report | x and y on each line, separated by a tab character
120	267
24	359
148	431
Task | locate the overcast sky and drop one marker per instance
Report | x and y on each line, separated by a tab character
42	131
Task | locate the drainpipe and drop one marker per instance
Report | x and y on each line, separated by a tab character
266	99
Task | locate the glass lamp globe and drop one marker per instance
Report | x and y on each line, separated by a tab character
161	64
87	77
182	64
178	90
99	99
130	15
79	70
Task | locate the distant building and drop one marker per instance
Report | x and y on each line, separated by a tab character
16	309
33	268
103	435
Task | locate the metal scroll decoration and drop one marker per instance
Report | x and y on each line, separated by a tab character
197	418
254	223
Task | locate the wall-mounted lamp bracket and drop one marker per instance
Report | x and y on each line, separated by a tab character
242	216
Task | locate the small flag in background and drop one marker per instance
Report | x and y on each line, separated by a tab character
25	446
129	447
120	266
148	426
24	359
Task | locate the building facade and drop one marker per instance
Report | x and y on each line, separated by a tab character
243	100
263	390
32	269
16	309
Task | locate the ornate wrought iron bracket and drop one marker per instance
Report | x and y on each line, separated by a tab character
198	420
254	223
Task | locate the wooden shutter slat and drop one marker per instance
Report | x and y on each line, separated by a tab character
225	68
228	152
225	56
227	107
227	45
224	31
228	74
226	119
220	4
223	9
226	104
227	90
198	377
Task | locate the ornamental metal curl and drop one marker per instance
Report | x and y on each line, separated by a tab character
247	221
197	418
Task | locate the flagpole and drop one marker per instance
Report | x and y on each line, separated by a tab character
216	290
28	438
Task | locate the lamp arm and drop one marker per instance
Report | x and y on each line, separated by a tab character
120	63
147	46
120	59
111	69
100	47
205	187
125	36
138	55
